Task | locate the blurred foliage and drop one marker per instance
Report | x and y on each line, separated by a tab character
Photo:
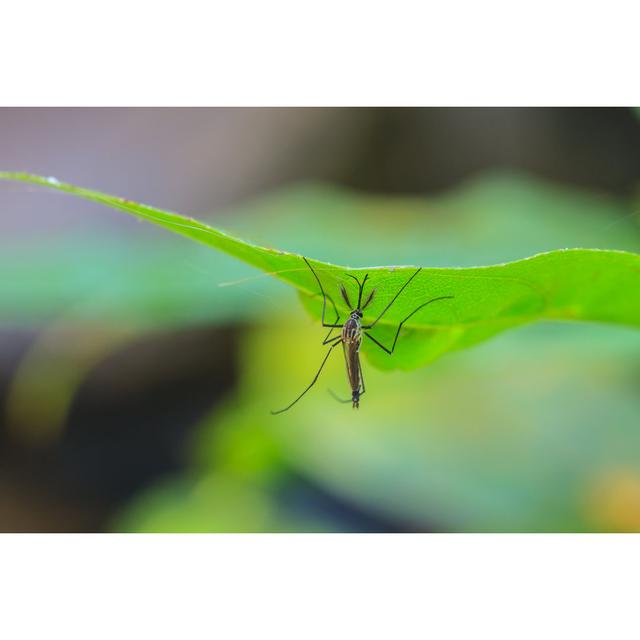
529	433
46	381
577	285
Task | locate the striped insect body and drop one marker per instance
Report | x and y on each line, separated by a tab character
352	329
351	341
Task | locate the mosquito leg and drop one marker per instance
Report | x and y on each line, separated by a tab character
393	346
336	321
333	304
379	344
324	299
328	340
335	344
373	324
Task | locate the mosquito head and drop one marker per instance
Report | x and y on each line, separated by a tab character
356	313
356	399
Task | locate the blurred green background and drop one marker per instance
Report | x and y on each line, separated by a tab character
137	369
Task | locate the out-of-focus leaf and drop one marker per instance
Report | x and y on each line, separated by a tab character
111	279
576	284
216	503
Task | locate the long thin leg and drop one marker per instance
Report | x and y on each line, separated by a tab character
390	351
380	345
373	324
337	321
361	378
333	304
331	348
324	298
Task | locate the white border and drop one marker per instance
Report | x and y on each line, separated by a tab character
319	586
330	53
286	52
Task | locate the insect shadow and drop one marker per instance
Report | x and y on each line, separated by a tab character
351	335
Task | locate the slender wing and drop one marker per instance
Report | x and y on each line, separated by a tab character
352	362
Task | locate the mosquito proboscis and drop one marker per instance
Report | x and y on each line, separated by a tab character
352	331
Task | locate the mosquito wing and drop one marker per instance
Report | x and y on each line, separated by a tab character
352	361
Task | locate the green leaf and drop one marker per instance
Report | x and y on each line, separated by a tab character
574	284
154	280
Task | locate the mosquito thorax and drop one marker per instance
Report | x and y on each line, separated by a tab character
352	328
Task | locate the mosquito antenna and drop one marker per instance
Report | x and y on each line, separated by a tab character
361	291
331	348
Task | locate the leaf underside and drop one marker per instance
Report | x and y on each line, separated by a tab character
571	284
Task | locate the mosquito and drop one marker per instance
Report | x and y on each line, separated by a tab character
352	331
